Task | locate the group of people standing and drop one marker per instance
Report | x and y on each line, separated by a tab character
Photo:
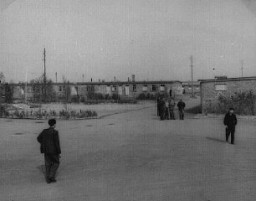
165	108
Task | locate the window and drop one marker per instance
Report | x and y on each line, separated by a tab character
60	88
108	89
145	88
153	87
220	87
134	88
114	88
162	87
90	88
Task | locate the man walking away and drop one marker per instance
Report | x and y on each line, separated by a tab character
230	122
50	147
162	109
158	105
181	106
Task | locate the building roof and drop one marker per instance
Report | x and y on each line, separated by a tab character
227	79
188	83
130	82
107	83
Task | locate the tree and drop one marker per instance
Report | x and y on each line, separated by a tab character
2	77
38	87
66	89
8	93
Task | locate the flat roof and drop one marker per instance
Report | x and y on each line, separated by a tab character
106	83
228	79
131	82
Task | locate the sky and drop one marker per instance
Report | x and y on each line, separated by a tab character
103	39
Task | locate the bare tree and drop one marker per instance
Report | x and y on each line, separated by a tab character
2	77
39	87
66	89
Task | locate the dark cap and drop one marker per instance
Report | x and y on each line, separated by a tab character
52	122
231	108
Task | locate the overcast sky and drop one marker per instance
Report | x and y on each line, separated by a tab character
105	38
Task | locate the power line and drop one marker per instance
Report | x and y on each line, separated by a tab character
192	75
242	68
44	75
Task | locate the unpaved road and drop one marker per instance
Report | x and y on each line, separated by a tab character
131	156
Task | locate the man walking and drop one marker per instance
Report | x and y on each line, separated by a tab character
50	147
181	106
230	122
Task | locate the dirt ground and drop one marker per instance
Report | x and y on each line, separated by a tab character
131	156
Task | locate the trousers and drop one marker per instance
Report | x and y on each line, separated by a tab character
230	130
52	162
181	113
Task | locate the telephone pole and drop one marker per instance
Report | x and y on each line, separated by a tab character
242	67
44	76
192	75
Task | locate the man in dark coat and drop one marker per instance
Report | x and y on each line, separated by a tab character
50	147
162	109
181	106
230	122
158	105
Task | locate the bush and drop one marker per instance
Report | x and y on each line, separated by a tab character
82	99
75	99
141	96
64	114
147	96
242	102
115	97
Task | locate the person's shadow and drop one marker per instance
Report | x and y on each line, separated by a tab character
41	168
215	139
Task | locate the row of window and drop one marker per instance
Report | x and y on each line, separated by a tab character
114	88
144	88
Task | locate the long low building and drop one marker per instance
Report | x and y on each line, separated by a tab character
129	89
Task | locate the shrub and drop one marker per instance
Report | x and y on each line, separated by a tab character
142	96
243	103
64	114
115	97
75	99
147	96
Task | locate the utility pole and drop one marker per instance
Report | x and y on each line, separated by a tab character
242	67
56	76
44	76
192	75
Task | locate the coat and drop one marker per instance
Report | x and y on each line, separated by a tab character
49	141
181	105
230	120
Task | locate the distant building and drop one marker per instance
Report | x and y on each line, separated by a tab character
128	89
211	89
187	86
